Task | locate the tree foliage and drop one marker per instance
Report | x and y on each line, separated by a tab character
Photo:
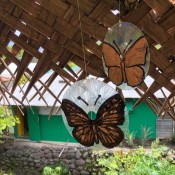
7	120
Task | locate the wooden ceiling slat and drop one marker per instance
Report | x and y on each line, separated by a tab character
93	29
36	24
16	24
152	89
51	18
9	55
76	49
110	19
170	71
26	59
92	46
85	5
52	46
97	66
168	48
57	7
161	79
100	11
168	20
61	72
3	33
33	9
9	7
158	59
154	30
2	4
65	58
137	14
69	13
42	65
28	48
159	6
43	15
65	28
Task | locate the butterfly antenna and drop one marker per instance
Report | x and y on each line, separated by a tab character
117	47
79	98
127	47
97	99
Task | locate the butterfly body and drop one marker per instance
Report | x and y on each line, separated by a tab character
103	129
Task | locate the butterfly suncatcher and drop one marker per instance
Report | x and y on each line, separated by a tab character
125	66
103	129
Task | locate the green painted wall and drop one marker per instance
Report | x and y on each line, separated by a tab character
142	115
33	122
54	129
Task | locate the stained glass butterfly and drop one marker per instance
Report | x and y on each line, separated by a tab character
126	66
103	129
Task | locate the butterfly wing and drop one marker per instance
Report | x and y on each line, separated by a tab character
134	58
110	136
112	60
109	115
76	117
111	56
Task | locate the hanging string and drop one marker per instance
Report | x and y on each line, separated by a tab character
82	40
119	15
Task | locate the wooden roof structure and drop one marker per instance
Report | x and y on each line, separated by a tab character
50	32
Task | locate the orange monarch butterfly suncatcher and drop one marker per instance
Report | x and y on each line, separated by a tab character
126	55
103	129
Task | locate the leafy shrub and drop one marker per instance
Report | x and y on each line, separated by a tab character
136	162
155	143
7	120
60	169
145	133
5	173
130	136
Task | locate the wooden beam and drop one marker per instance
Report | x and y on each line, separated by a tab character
28	6
134	16
36	24
86	6
100	11
161	7
16	24
76	49
61	72
158	59
168	48
167	20
26	46
57	7
65	28
154	30
93	29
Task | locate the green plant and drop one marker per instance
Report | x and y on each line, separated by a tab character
130	136
60	169
145	133
48	171
7	120
137	162
155	143
23	80
6	173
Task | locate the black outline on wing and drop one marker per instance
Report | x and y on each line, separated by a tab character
125	67
104	128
